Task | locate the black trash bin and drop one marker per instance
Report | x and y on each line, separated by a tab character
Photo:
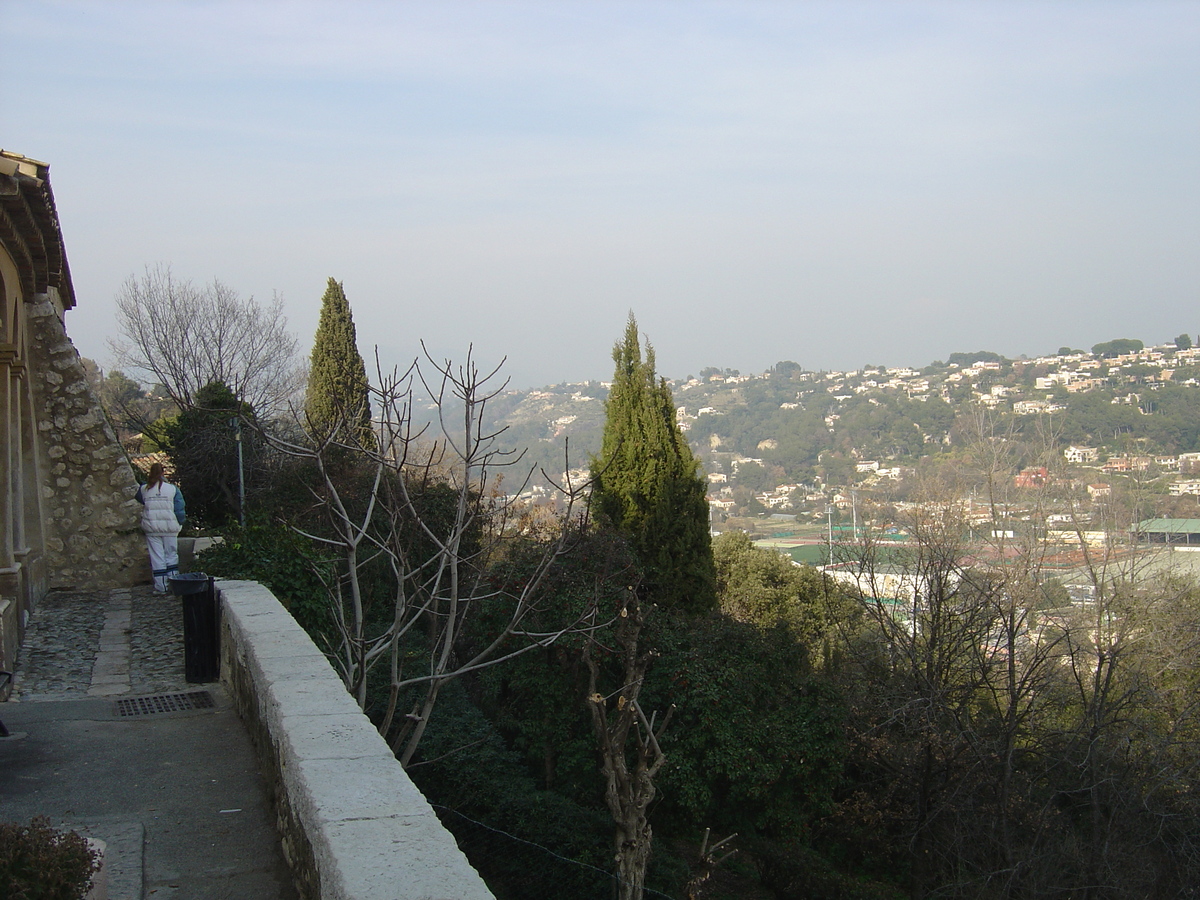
201	626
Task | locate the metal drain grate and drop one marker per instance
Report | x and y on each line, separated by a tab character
164	703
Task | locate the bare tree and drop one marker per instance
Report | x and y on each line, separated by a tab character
1021	648
184	337
930	616
1022	744
630	753
1124	750
427	511
708	862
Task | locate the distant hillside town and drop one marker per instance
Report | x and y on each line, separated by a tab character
790	441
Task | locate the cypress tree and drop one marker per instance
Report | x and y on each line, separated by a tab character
647	483
336	402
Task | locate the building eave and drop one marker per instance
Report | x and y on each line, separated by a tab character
30	230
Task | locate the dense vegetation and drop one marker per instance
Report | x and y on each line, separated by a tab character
39	862
853	755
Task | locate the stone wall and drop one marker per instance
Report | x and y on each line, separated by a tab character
92	521
352	824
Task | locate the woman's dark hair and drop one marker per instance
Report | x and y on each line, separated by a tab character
155	478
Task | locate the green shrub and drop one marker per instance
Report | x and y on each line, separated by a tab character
281	560
39	863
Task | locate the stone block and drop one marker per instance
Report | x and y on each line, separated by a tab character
111	663
271	653
333	790
110	679
247	596
109	690
271	669
339	736
309	697
275	632
360	860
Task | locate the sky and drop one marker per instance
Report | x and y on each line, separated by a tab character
837	184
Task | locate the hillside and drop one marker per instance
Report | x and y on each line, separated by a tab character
765	437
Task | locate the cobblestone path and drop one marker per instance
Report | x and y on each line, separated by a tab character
102	643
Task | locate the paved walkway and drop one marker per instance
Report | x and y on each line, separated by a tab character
102	645
119	746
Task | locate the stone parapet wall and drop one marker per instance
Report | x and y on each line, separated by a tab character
92	521
352	824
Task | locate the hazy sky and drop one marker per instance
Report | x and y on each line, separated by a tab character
831	183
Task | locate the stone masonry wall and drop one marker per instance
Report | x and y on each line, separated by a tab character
92	521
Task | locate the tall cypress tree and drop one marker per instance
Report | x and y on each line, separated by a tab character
336	402
647	483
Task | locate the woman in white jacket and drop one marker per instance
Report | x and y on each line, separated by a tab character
162	517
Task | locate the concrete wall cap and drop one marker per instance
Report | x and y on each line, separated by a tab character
338	736
331	791
362	857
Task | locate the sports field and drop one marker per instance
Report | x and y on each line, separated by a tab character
804	543
810	543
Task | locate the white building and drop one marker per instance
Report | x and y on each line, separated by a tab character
1081	455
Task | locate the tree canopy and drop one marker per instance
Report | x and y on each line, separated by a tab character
336	403
185	337
202	445
1117	347
764	588
647	484
969	359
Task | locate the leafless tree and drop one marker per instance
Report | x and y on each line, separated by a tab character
1026	748
1122	749
630	753
438	562
183	337
929	616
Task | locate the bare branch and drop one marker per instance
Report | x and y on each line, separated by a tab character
184	337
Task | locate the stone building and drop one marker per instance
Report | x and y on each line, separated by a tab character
67	514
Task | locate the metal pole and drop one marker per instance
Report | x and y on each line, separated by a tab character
241	483
237	436
829	516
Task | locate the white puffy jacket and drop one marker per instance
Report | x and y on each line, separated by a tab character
162	508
